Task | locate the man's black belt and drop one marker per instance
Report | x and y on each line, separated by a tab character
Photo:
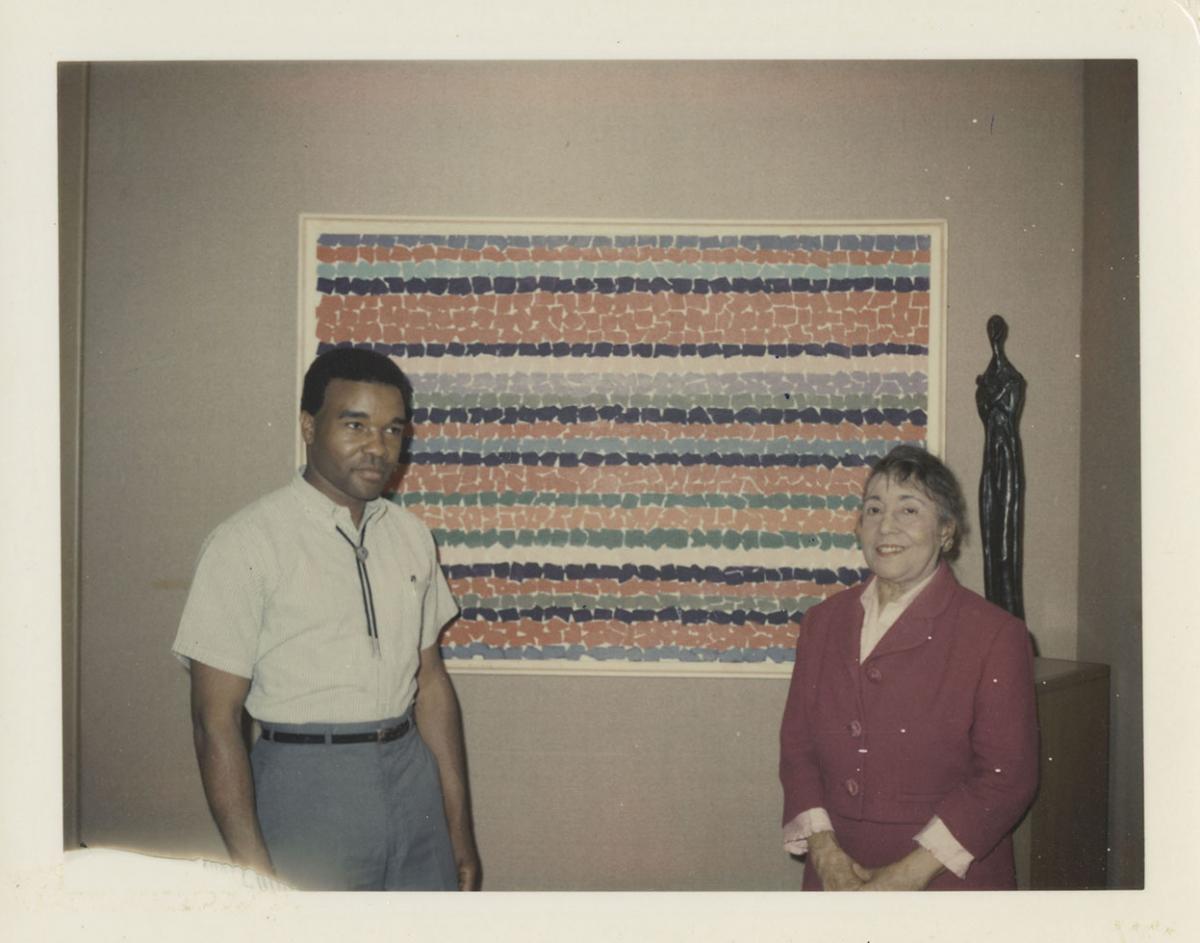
372	736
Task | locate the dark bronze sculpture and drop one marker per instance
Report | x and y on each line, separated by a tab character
999	396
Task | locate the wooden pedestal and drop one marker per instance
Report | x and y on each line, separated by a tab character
1063	842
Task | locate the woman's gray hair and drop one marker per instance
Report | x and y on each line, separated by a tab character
907	462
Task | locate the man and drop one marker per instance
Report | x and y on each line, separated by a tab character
318	609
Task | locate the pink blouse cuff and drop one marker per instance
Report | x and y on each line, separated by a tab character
935	838
938	840
808	822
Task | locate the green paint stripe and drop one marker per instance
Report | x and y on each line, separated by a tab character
617	268
630	501
654	539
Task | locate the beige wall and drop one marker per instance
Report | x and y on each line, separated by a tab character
196	175
1110	584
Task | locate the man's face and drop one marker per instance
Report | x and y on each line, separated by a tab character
354	441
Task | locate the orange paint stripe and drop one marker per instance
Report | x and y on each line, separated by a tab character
603	633
640	518
496	586
665	318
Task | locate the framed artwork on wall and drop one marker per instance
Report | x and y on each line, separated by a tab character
639	444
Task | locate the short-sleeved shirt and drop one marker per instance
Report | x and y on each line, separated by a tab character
280	596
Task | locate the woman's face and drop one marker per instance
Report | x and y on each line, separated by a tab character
900	533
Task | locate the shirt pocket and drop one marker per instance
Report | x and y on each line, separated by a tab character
418	593
401	606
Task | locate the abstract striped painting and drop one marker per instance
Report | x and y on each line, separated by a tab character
639	446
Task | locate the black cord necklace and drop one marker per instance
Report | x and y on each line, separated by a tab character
364	583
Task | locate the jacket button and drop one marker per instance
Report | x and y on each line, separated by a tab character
874	674
852	786
855	728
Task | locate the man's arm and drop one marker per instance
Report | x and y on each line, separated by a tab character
440	725
217	698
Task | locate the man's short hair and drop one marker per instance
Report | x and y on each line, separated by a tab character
350	363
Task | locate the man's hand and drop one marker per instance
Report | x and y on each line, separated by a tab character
913	872
836	869
469	869
217	698
440	725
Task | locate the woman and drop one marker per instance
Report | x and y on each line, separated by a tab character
909	740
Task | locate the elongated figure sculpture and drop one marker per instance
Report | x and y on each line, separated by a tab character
999	396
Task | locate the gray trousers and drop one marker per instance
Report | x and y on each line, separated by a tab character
353	816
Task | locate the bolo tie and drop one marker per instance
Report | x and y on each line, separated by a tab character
364	583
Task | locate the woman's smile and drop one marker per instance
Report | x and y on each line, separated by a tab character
900	533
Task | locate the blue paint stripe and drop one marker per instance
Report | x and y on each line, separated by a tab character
681	573
575	270
632	616
774	654
595	459
570	415
525	284
790	242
